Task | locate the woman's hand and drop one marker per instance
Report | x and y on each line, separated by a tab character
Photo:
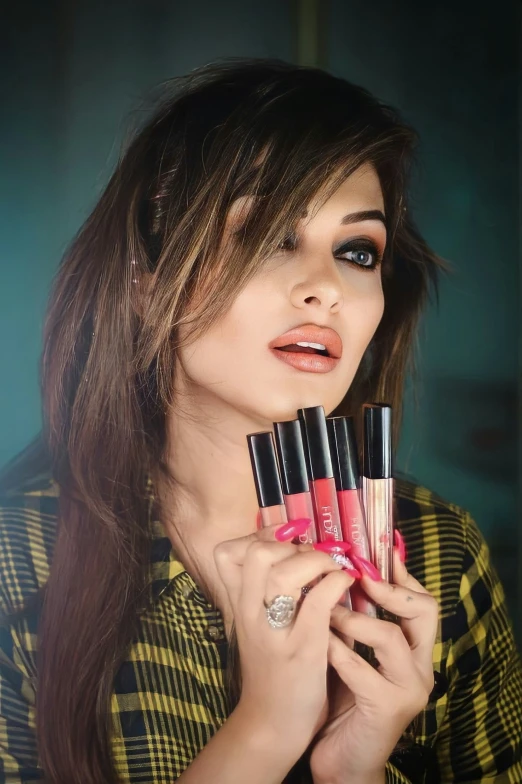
370	708
283	671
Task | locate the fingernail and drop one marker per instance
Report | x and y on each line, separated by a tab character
333	547
292	529
399	545
347	565
368	568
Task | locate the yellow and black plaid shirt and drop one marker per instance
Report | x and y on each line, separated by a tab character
169	695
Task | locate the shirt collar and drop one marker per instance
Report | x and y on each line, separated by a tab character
164	565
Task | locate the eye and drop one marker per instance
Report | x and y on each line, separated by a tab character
362	253
289	243
362	257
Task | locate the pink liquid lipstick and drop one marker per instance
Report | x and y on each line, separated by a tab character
310	471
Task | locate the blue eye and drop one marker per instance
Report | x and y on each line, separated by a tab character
362	254
361	257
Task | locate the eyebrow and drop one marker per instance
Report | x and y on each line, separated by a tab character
365	215
359	217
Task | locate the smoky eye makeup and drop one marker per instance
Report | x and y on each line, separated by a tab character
360	251
289	243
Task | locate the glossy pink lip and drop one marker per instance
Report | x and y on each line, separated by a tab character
309	363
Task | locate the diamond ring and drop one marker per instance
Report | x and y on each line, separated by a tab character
280	611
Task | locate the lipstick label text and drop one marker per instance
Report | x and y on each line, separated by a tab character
329	525
356	531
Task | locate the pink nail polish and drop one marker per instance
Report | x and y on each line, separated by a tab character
353	573
290	530
399	545
333	547
367	568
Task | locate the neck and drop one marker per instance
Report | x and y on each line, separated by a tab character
213	495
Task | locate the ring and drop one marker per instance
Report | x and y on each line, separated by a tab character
280	612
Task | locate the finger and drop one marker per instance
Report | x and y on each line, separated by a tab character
232	551
370	687
291	574
401	576
390	646
404	602
349	641
423	650
229	555
313	620
362	679
340	698
417	609
259	561
246	581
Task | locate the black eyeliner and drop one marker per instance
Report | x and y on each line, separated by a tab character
360	244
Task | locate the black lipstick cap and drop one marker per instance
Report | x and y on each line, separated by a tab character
343	450
291	454
264	466
377	452
315	437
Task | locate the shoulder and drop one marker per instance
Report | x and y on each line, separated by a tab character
28	518
440	538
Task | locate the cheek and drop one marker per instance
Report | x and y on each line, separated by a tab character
203	364
209	359
365	309
376	310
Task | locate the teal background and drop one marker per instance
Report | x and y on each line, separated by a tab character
76	74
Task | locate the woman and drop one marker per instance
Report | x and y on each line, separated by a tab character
135	646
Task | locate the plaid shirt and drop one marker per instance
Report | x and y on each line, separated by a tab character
169	695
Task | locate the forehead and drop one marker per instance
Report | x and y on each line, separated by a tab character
360	191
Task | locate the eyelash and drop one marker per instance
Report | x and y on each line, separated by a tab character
354	245
358	245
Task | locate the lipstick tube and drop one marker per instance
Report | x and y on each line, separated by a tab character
296	490
320	472
345	461
377	486
266	478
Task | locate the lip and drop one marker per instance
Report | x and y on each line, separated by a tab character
309	363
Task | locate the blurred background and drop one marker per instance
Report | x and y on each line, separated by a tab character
76	75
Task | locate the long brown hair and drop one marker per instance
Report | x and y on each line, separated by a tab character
280	133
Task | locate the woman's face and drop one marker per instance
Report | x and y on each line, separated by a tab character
325	282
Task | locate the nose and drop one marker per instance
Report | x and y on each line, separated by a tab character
321	290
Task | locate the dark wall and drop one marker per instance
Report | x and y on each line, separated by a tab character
452	70
75	72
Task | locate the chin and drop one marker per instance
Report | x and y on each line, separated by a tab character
286	408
